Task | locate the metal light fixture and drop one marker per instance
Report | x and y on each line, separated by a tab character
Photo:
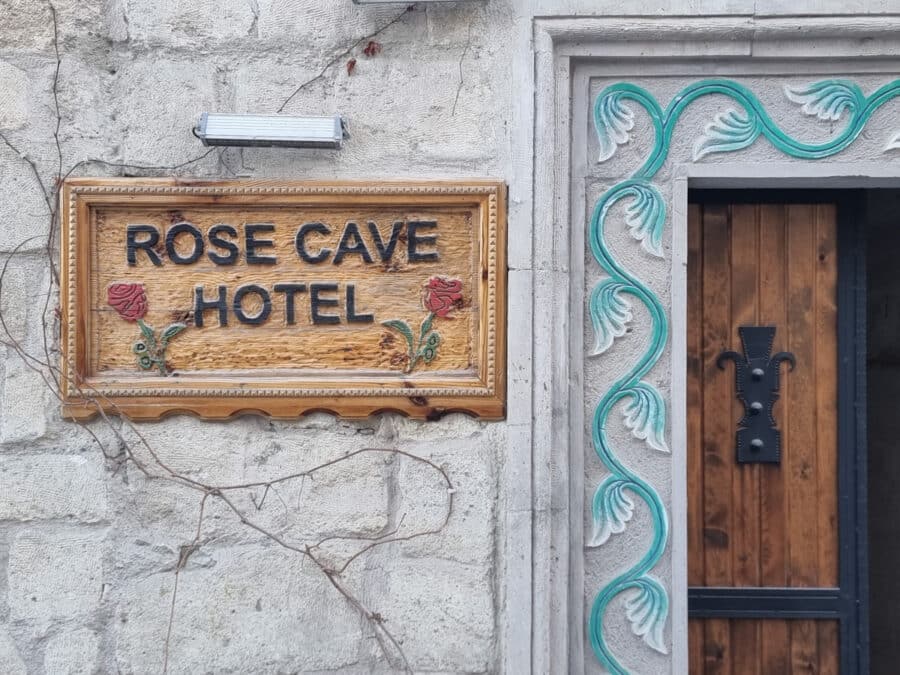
406	2
270	130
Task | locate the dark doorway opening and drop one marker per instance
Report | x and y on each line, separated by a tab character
883	369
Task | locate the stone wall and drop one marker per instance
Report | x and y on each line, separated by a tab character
90	547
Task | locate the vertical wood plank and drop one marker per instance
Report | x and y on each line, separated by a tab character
695	646
717	428
826	393
775	647
804	646
773	312
745	645
829	647
695	397
763	525
801	396
800	435
718	434
717	647
745	477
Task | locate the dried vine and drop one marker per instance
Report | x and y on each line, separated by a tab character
153	466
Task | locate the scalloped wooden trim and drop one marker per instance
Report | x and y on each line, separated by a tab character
84	397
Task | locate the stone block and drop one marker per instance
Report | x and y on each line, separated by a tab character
204	451
13	96
350	498
185	24
25	26
9	656
23	295
239	609
54	574
24	219
159	102
50	486
72	653
22	403
397	127
442	612
328	26
469	535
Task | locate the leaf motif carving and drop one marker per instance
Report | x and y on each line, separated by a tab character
827	99
171	331
645	415
147	332
646	218
610	313
403	328
729	131
647	611
612	121
894	143
612	509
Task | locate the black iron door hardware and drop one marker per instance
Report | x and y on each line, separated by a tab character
756	383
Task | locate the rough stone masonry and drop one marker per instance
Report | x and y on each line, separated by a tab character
90	547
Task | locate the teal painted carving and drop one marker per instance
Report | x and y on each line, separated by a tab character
441	296
644	408
130	301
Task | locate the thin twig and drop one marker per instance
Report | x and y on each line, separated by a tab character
462	56
148	461
342	55
184	553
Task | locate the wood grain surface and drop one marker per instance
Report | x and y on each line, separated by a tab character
763	524
340	357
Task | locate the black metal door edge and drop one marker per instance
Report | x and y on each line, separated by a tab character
850	602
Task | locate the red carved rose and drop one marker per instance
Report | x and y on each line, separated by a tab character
129	300
442	295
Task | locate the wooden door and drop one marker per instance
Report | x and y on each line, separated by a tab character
770	590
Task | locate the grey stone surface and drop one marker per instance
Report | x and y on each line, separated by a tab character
54	575
89	547
73	653
10	657
40	487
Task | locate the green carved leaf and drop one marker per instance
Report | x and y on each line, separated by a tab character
171	331
426	326
647	610
610	313
827	99
612	121
612	509
645	415
403	328
729	131
147	332
646	218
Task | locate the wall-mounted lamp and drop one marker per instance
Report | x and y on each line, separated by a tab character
270	130
406	2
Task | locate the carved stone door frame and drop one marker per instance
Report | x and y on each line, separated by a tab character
569	53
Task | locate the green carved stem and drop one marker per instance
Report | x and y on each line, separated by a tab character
647	609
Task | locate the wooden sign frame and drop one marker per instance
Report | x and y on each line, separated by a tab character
140	397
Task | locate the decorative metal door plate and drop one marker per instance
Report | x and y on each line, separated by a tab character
756	384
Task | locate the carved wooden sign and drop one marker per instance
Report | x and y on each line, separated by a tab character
256	296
